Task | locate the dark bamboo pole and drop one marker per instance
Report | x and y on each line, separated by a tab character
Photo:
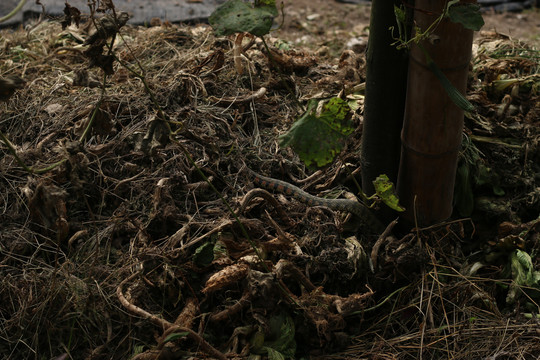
386	83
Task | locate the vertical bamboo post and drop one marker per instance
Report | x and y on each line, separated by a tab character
384	106
432	130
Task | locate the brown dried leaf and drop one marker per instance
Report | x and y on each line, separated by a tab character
225	277
72	15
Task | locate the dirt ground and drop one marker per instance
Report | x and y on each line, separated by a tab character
306	21
133	229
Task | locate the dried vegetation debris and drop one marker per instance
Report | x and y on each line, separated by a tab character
126	222
504	132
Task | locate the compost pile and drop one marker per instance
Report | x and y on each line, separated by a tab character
131	226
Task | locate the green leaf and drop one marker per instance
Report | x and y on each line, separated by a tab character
204	255
400	14
401	21
450	89
257	342
467	15
273	354
175	336
318	139
497	190
238	16
266	3
138	349
523	274
283	45
500	85
281	330
451	3
385	190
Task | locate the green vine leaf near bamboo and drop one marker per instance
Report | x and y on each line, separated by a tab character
318	138
384	190
465	14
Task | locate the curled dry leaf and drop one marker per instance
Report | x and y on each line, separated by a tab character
225	277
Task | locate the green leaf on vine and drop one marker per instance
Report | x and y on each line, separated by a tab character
467	15
317	139
384	189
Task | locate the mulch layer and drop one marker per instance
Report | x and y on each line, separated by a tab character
119	237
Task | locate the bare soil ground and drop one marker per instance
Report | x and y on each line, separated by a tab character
321	22
116	241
